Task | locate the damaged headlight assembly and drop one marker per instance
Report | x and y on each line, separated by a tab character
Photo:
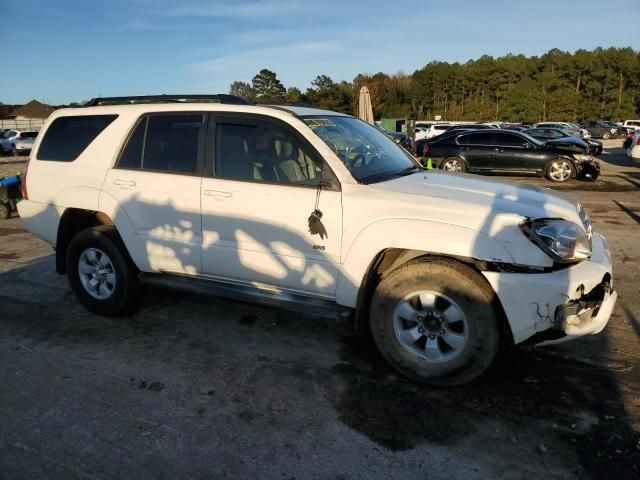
581	157
563	241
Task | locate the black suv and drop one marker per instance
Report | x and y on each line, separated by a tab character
502	152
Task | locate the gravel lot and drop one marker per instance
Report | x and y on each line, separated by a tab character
11	165
195	387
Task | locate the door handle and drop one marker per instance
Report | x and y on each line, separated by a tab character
218	193
124	182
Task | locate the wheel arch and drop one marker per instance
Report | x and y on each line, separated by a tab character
390	259
72	222
426	236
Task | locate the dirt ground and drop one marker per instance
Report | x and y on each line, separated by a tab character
196	387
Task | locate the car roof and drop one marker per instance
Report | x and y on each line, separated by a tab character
142	108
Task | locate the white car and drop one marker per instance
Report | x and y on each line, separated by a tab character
421	132
437	129
634	149
634	124
6	138
318	212
18	142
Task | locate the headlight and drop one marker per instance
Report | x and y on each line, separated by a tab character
562	240
581	158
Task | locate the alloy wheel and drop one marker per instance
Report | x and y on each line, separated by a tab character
431	326
452	165
97	274
560	170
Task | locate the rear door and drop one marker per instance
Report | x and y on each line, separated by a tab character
156	183
477	150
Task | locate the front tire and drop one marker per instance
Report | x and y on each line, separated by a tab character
435	321
100	271
560	170
606	136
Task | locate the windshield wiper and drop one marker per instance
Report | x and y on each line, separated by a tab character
410	169
388	175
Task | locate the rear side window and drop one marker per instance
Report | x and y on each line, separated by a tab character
508	140
68	137
164	143
480	138
132	154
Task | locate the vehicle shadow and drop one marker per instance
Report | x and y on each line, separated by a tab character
527	395
616	156
633	215
632	177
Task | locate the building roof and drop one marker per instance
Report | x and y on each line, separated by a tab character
33	109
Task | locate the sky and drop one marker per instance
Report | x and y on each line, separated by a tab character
71	50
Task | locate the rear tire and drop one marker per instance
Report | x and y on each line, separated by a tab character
101	274
453	336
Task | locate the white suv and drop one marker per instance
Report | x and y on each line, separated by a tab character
316	211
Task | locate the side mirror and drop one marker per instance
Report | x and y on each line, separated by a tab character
526	145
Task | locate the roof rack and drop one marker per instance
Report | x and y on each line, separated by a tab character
221	98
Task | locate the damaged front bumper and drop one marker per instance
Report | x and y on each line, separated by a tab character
589	170
554	307
586	315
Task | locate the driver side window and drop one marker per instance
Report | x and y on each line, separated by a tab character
254	150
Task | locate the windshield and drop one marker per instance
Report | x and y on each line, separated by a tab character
368	153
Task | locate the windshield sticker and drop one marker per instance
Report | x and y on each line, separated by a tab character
319	122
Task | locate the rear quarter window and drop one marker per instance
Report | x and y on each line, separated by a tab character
67	137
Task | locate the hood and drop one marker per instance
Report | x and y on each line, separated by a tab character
571	144
483	194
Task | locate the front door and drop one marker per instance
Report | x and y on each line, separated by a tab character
514	153
256	208
156	183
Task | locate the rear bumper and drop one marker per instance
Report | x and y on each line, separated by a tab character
558	306
40	219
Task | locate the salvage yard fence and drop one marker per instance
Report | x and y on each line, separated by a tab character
23	124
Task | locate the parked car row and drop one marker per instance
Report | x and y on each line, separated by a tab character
557	150
17	142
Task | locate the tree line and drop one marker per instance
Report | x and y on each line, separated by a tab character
561	86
